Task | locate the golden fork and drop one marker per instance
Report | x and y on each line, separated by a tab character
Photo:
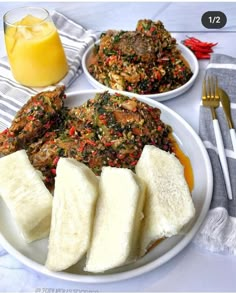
211	99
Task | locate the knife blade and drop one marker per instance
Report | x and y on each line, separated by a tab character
225	101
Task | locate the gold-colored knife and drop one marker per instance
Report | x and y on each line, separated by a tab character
225	101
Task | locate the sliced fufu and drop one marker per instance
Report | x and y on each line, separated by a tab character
75	195
169	204
26	196
119	212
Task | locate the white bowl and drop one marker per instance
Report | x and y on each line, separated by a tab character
187	54
34	254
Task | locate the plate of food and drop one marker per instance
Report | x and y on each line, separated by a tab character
147	61
99	187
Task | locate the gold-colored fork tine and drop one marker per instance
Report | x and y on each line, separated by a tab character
204	93
217	95
211	87
208	87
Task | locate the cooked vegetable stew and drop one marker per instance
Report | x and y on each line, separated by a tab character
108	130
144	61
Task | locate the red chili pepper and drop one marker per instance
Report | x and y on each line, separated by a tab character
201	49
202	56
200	43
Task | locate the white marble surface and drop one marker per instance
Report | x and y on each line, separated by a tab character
194	269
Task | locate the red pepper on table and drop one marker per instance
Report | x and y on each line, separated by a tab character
201	49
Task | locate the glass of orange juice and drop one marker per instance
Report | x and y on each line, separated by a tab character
34	48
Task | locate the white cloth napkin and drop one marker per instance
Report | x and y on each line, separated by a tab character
75	40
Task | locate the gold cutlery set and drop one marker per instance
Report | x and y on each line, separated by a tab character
212	96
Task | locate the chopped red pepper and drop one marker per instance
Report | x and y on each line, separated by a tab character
5	131
121	156
53	171
55	161
119	134
133	163
102	117
48	124
72	131
37	103
31	117
109	143
111	164
91	142
152	29
81	147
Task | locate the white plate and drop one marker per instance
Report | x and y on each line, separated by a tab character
34	254
187	54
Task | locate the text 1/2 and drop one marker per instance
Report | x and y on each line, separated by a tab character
214	19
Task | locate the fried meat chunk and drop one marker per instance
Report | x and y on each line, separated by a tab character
35	118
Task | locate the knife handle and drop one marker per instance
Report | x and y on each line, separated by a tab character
233	138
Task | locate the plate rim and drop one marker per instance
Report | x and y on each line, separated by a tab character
97	278
158	97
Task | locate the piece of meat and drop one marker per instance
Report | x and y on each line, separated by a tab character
156	31
131	43
36	117
126	117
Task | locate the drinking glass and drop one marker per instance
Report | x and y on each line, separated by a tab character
34	48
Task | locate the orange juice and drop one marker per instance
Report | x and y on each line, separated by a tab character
35	52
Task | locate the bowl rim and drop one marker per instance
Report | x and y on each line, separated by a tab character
159	96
